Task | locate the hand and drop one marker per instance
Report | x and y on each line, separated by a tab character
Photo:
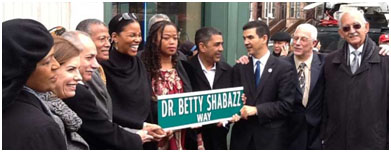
384	51
284	50
155	131
222	123
248	111
196	126
144	136
243	60
244	98
235	118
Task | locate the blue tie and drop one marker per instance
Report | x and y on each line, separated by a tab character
257	73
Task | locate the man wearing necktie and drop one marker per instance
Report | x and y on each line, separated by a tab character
305	121
356	114
268	85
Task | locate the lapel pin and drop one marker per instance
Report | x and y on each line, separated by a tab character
270	70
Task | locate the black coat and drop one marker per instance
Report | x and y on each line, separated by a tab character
356	105
96	129
215	138
27	125
274	99
305	122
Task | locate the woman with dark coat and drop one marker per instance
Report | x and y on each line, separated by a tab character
167	76
29	71
126	77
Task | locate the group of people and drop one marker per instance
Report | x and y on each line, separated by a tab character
93	88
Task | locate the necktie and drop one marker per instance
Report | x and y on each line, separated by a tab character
301	76
354	66
257	73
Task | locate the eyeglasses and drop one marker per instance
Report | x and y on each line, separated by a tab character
355	26
127	16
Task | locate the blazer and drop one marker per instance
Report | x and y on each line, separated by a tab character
215	138
305	122
28	125
273	98
96	129
102	96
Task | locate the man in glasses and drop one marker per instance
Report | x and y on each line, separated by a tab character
356	90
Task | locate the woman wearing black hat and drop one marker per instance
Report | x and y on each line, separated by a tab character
28	72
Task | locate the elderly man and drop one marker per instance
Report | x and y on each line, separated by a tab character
99	34
356	90
306	118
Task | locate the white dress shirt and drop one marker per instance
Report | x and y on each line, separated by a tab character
209	74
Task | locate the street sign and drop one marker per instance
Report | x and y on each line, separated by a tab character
184	110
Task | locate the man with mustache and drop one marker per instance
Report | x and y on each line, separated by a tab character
356	90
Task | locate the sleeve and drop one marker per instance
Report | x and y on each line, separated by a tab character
96	127
285	96
48	137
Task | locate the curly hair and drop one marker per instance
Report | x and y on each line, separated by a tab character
152	52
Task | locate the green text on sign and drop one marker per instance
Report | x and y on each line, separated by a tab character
184	110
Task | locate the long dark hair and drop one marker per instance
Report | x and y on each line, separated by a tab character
152	52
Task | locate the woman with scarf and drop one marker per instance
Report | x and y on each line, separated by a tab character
167	76
68	76
29	72
126	77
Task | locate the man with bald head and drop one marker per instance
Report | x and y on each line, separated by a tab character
356	90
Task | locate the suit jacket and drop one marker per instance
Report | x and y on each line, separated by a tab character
305	121
102	96
356	104
96	129
28	125
273	98
215	138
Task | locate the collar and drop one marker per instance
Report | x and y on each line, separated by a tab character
307	62
351	49
263	59
203	67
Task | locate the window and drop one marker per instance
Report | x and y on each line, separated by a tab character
292	9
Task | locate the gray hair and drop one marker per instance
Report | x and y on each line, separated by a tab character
156	18
73	37
310	28
86	24
355	13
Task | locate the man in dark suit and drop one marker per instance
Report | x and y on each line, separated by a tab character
356	90
268	85
206	71
305	120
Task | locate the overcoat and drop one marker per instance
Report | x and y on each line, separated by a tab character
356	105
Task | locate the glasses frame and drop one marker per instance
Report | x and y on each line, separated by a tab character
126	16
348	28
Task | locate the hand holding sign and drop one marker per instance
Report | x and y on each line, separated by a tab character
144	136
155	131
248	111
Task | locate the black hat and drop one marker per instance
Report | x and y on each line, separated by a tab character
25	43
281	36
